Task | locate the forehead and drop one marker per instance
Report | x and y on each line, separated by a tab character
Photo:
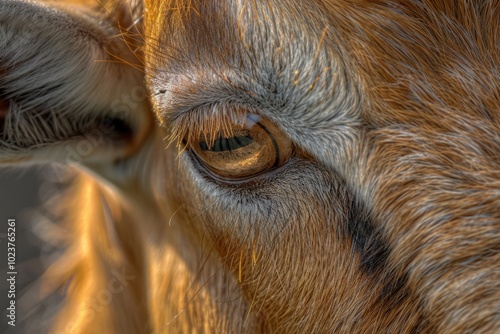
261	43
228	26
281	58
326	71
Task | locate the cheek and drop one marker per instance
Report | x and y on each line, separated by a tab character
297	200
287	230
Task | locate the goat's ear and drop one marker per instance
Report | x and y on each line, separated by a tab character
71	87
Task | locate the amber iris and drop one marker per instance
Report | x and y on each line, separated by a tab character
251	148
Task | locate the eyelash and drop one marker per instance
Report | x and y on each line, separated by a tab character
209	121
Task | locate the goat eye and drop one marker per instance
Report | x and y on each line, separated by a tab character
244	150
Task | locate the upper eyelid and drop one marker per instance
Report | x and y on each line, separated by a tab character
188	100
209	118
180	94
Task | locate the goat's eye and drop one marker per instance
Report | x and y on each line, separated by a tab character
245	149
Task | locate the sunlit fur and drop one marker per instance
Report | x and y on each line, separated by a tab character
385	220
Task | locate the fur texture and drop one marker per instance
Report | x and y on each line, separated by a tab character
386	219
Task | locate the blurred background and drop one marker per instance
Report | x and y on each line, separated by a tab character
21	197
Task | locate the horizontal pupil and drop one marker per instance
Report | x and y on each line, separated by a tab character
227	144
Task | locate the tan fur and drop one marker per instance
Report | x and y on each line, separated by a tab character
385	220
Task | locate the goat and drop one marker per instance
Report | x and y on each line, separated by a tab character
317	166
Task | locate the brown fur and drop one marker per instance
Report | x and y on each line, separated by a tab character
385	220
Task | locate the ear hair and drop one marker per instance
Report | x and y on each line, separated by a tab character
52	70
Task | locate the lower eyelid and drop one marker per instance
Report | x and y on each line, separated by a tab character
258	180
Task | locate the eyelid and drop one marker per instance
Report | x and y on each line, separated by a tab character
210	121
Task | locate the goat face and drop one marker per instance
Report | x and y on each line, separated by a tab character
337	166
